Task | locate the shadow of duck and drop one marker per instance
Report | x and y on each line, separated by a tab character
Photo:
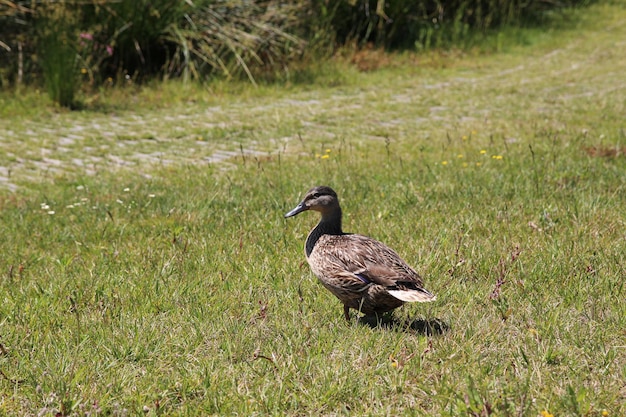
424	327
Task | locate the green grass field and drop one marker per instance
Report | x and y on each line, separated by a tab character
146	267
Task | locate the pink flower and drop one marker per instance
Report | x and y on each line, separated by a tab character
109	50
87	36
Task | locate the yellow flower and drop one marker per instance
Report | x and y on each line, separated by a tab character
83	70
605	413
325	156
465	164
444	162
459	156
496	156
478	164
394	361
327	151
545	413
482	151
474	132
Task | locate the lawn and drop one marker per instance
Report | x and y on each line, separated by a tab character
147	269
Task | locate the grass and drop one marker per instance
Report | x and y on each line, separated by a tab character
138	276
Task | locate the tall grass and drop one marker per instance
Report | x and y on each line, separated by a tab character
431	24
208	38
136	30
57	33
236	38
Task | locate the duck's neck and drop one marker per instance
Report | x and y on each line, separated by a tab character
330	224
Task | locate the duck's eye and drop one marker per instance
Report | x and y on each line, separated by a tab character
316	195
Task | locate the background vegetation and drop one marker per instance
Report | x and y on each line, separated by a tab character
72	43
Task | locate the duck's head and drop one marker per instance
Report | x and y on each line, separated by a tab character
320	198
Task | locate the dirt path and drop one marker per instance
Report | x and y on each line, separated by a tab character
548	84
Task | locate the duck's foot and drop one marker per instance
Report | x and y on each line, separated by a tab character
346	312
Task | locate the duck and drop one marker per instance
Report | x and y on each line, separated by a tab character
363	273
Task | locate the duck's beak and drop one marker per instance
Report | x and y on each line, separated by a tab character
299	209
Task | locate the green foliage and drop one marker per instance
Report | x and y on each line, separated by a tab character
125	41
14	35
56	26
135	32
429	24
139	39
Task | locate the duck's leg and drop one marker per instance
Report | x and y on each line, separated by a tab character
346	312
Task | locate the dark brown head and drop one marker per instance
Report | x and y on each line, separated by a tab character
320	198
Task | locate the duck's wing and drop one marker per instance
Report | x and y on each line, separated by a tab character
402	287
358	261
335	262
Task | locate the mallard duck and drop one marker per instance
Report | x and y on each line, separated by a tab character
365	274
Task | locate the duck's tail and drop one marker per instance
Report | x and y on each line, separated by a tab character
419	295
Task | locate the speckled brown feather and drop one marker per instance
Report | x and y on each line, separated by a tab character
363	273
